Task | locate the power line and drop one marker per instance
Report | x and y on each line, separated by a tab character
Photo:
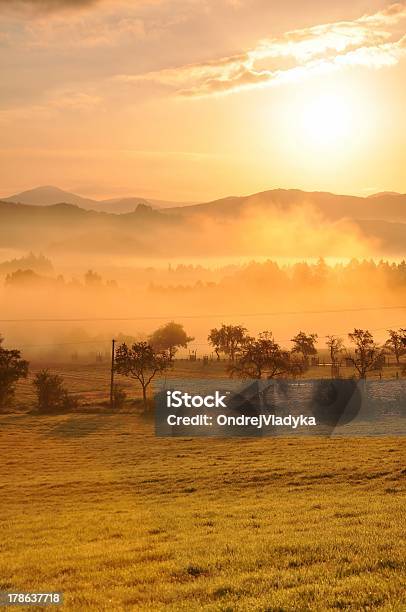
201	316
64	343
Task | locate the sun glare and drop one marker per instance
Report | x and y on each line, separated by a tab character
326	120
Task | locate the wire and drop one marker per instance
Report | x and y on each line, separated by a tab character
202	316
66	343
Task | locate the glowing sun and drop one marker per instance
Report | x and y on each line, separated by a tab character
326	120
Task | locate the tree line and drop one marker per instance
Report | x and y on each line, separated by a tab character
256	357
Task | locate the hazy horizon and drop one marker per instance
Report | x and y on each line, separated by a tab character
97	197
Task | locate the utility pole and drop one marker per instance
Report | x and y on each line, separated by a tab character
113	344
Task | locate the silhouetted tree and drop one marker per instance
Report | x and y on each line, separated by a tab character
169	338
142	362
304	344
23	277
264	358
368	355
92	279
396	343
228	339
336	348
12	368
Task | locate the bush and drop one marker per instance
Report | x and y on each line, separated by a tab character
51	393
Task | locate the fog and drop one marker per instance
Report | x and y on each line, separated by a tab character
58	316
93	276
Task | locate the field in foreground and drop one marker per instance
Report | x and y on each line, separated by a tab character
96	507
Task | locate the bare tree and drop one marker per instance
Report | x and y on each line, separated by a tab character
142	362
336	348
368	355
228	339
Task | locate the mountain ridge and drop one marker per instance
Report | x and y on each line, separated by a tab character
48	195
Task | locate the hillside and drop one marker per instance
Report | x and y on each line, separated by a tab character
386	206
49	195
250	225
68	228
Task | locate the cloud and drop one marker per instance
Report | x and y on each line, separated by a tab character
78	32
44	5
60	101
367	41
29	8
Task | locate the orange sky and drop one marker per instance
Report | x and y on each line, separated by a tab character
196	99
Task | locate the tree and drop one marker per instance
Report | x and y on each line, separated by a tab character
12	368
304	344
264	358
336	348
169	338
229	339
51	393
142	362
92	279
368	355
396	343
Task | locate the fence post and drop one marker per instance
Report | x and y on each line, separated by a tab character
113	343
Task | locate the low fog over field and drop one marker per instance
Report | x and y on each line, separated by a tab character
281	260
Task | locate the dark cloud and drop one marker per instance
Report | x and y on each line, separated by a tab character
44	5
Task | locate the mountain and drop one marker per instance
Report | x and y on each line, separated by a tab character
125	205
48	195
71	229
217	228
387	207
385	193
120	206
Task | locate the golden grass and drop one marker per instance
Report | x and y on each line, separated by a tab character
97	507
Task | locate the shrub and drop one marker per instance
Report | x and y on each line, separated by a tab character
51	393
119	396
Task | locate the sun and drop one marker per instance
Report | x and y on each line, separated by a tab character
326	120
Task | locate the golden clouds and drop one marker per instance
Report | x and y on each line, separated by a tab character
367	41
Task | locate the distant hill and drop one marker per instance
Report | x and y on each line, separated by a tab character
125	205
183	231
120	206
69	228
385	193
48	195
384	206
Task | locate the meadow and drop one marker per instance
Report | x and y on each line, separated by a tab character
90	380
97	507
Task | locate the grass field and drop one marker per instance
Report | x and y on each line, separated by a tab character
96	507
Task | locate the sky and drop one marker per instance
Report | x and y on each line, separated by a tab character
192	100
